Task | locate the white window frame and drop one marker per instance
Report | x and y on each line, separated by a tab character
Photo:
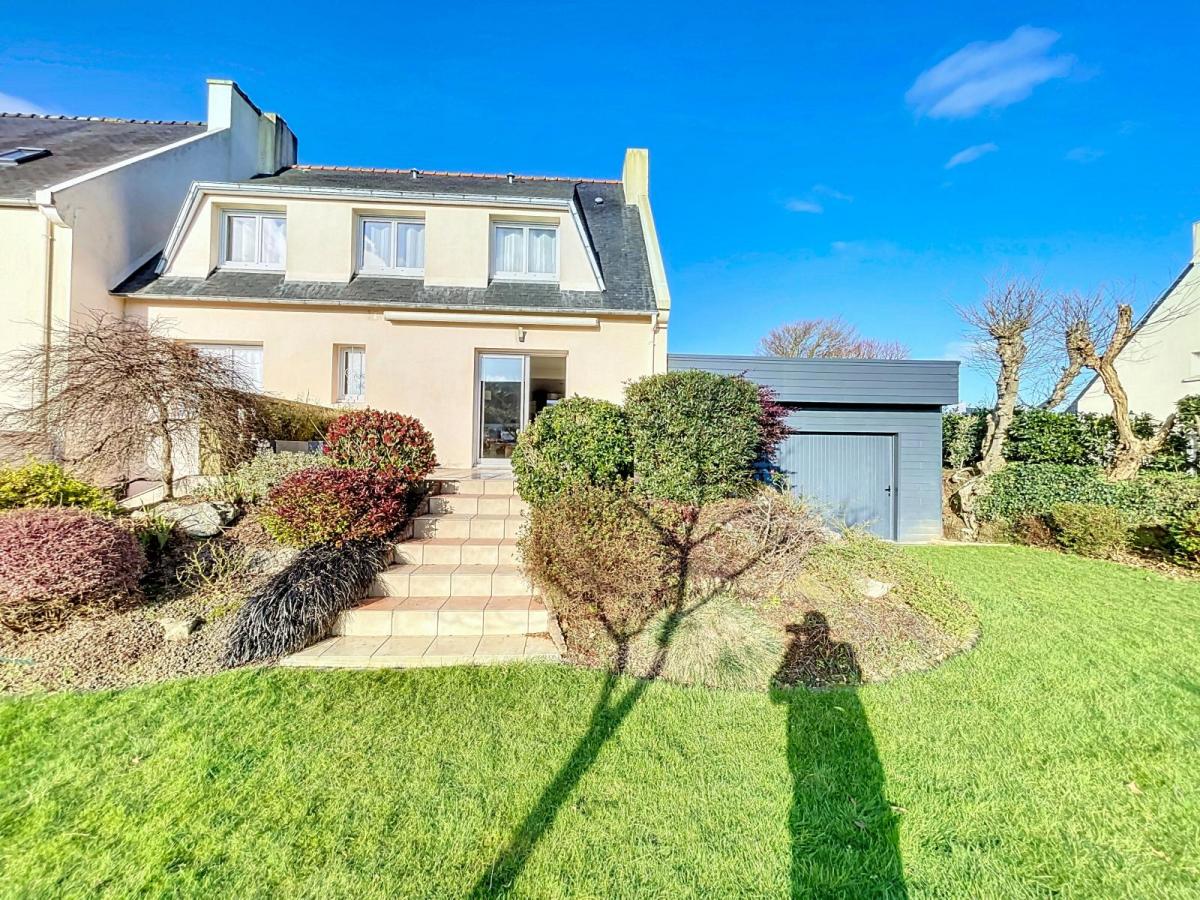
258	215
212	347
526	275
343	351
392	271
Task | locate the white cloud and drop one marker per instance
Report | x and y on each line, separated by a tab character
12	104
832	193
988	74
804	206
969	155
1084	154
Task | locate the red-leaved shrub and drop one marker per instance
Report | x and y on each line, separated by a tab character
772	422
56	562
335	505
369	439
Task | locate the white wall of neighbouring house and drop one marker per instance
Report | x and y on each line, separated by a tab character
62	255
423	369
1161	363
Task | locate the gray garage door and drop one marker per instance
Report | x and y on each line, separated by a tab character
851	477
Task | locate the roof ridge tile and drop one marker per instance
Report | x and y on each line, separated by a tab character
55	117
439	173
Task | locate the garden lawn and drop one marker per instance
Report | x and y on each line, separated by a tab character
1060	755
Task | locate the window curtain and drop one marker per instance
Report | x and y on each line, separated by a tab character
541	250
377	245
354	373
274	240
242	238
510	250
410	245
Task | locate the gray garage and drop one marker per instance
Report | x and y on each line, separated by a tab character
866	435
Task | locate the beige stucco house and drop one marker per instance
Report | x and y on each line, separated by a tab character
469	301
86	201
1161	363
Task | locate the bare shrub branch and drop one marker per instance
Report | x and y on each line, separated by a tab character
115	394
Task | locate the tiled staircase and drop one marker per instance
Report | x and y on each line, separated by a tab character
454	594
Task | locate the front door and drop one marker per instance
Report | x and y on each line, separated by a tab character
502	398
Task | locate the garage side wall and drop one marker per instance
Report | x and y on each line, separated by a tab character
918	488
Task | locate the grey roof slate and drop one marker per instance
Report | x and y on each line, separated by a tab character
614	228
77	146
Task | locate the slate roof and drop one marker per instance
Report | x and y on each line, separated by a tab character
614	228
77	146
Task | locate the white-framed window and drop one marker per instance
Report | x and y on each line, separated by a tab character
389	246
253	240
1195	369
245	362
524	252
352	374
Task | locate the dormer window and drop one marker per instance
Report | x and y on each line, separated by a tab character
18	155
523	252
253	240
391	246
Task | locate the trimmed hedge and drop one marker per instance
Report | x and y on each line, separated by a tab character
696	435
1089	528
391	442
55	563
1022	489
39	485
576	441
335	505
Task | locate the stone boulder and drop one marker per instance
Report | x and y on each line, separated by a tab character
198	518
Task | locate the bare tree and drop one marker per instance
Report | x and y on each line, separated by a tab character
1095	329
113	393
833	338
1004	326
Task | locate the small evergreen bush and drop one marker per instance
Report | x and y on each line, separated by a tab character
576	441
1089	529
252	480
44	484
383	441
335	505
58	562
696	435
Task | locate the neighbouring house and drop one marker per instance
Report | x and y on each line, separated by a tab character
85	201
469	301
1161	363
866	435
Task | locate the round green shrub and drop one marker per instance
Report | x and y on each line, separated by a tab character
577	441
696	435
1089	529
42	484
369	439
334	505
1023	489
55	563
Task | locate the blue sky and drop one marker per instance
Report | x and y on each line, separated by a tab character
864	160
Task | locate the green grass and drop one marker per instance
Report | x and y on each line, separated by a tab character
1006	772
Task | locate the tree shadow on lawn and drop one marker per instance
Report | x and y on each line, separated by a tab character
844	833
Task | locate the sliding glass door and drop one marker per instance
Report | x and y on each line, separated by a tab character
502	398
